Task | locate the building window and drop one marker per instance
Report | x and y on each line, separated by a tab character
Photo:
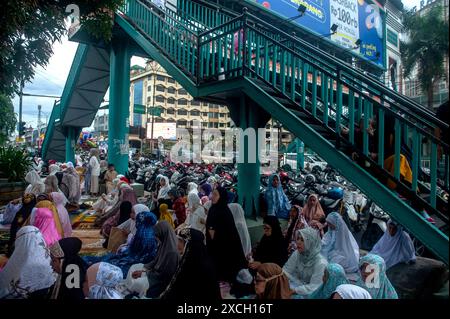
148	99
195	102
182	112
222	114
182	102
170	80
160	99
171	111
392	37
182	122
170	100
205	114
182	92
195	113
149	88
160	78
160	88
171	90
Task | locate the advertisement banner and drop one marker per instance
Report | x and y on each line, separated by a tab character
167	131
356	19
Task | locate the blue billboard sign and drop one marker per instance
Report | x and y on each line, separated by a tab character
355	19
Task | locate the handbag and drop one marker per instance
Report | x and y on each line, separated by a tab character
117	237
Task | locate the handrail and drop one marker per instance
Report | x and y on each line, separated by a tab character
344	66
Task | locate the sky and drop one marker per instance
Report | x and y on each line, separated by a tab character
50	80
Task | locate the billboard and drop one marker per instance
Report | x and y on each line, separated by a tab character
168	131
356	19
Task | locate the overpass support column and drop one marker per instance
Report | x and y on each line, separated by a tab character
70	145
119	105
246	114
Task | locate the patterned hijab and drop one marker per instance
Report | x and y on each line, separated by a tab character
380	287
277	197
103	279
143	247
335	277
28	269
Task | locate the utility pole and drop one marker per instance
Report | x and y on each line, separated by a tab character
20	108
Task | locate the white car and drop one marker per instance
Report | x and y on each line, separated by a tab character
313	160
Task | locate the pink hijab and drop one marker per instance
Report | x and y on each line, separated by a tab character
46	224
60	201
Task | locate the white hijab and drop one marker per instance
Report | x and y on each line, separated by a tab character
53	169
241	225
29	268
192	188
348	291
164	191
339	246
36	186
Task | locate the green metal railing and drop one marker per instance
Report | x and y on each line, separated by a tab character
329	89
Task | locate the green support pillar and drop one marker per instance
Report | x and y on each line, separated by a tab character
119	105
300	150
70	145
246	114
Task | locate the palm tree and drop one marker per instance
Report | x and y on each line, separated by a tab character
426	48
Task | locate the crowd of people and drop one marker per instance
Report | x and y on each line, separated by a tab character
161	244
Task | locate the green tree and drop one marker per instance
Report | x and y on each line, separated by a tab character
28	29
7	119
426	48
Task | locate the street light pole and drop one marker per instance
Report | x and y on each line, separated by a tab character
20	109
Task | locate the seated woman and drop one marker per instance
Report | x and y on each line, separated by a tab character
306	266
126	193
60	201
107	201
374	278
192	188
333	276
142	249
121	216
339	246
36	186
45	222
197	216
395	246
178	206
277	202
102	280
195	278
347	291
205	189
165	215
296	222
129	226
21	217
64	254
313	213
271	282
51	186
46	201
27	274
272	247
161	270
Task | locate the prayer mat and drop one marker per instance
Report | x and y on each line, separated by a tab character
92	242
